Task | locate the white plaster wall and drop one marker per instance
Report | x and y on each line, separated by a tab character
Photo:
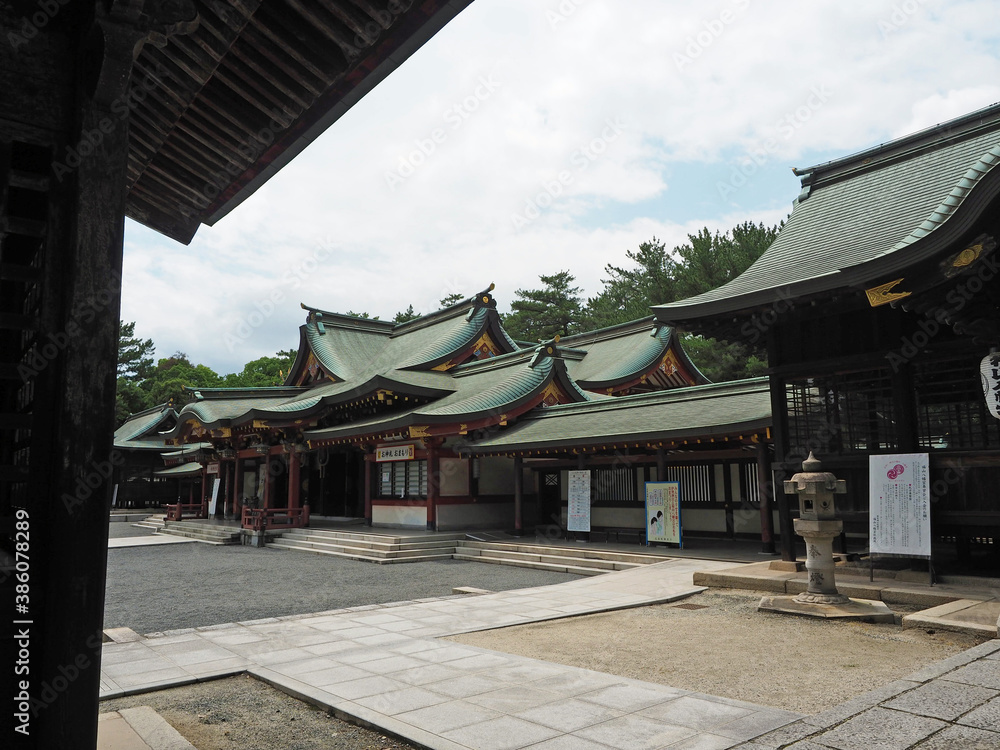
748	522
496	475
399	516
475	516
703	519
624	518
454	477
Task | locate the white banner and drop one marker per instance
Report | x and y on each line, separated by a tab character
578	508
215	497
900	511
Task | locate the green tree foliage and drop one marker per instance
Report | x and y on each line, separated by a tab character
657	276
135	362
173	374
629	292
405	315
263	372
540	314
708	261
452	299
135	356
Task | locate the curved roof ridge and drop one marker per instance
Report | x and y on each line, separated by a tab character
946	209
515	387
874	157
848	232
687	393
607	332
460	337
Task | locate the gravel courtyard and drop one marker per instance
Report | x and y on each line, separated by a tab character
152	589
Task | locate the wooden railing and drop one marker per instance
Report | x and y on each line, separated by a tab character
177	511
261	519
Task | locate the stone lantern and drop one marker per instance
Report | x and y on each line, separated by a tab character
818	525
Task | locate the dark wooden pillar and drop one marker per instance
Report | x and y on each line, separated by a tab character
203	513
368	460
238	488
518	495
433	481
293	479
661	465
764	494
61	269
268	482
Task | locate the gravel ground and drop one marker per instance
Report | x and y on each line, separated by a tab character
240	713
151	589
727	648
120	529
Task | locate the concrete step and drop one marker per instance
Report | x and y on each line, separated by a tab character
378	538
348	554
554	567
539	556
202	532
383	544
584	553
292	541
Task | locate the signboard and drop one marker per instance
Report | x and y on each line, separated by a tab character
663	512
900	517
213	468
989	370
578	508
395	453
215	497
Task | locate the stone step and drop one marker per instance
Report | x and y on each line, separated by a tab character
358	537
282	543
539	556
383	554
553	567
306	536
574	552
202	532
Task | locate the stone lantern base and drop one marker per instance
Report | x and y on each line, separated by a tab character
848	609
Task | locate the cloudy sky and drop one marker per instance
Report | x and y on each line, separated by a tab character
531	136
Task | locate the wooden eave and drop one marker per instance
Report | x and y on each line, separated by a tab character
224	108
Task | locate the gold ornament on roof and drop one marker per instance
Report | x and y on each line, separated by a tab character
883	294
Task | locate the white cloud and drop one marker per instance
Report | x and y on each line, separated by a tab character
552	90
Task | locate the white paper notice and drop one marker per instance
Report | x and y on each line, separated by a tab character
578	510
900	517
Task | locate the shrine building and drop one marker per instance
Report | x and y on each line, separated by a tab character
878	302
444	422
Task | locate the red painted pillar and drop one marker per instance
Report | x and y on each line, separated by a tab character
368	460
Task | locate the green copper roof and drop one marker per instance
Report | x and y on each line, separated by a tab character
869	215
622	353
495	388
702	412
139	431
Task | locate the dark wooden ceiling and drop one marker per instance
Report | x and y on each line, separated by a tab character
215	113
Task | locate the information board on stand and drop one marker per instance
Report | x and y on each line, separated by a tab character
663	513
578	506
900	505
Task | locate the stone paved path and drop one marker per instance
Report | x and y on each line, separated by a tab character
953	704
387	666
